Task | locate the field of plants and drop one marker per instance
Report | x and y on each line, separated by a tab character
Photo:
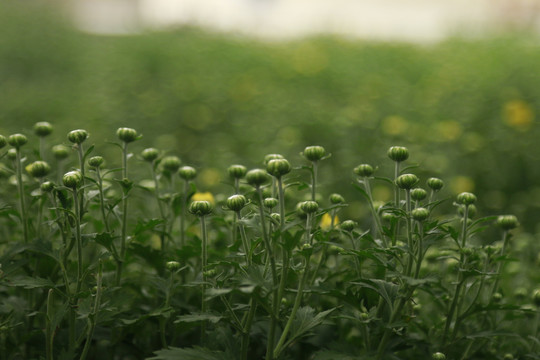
187	195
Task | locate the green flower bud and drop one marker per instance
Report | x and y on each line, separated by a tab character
17	140
236	202
269	157
466	198
406	181
336	199
77	136
171	164
127	135
47	186
418	194
270	202
38	169
314	153
363	170
508	356
12	154
438	356
172	265
309	207
521	293
387	216
398	153
187	173
3	141
435	184
256	177
278	167
60	152
497	297
210	273
42	128
96	161
150	154
200	208
348	225
536	297
72	179
507	222
420	214
276	218
237	171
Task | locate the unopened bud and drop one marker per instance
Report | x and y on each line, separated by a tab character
435	184
364	170
507	222
309	207
418	194
42	128
200	208
314	153
72	179
47	186
3	141
270	202
172	265
256	177
17	140
96	161
438	356
336	199
187	172
420	214
38	169
237	171
127	135
347	225
466	198
278	167
406	181
171	163
398	153
150	154
77	136
269	157
60	152
236	202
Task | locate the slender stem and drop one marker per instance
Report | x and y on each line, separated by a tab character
183	216
500	265
410	244
102	199
20	188
160	206
243	236
124	216
314	180
49	330
204	278
163	319
376	218
356	260
420	250
247	329
78	239
81	165
92	316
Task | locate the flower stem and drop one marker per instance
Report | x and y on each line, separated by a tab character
20	188
92	316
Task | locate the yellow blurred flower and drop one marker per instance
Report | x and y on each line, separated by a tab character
204	196
309	59
210	177
461	184
394	125
518	114
448	130
326	221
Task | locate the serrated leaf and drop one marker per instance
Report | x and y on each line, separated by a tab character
305	321
387	290
145	225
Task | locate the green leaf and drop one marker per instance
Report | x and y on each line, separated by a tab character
305	321
387	290
145	225
28	282
195	317
196	353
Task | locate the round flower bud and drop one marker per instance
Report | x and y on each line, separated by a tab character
127	135
420	214
237	171
47	186
536	297
387	216
278	167
497	297
200	208
12	154
187	172
172	265
309	207
466	198
77	136
60	152
17	140
236	202
507	222
418	194
171	163
398	153
96	161
270	202
3	141
38	169
435	184
406	181
336	199
438	356
314	153
256	177
42	128
275	217
348	225
269	157
363	170
72	179
508	356
150	154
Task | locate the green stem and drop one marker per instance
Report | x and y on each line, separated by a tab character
102	200
120	262
247	329
183	216
243	236
92	316
204	279
163	320
81	165
500	265
356	260
49	330
314	181
160	206
420	250
78	239
376	218
20	188
410	244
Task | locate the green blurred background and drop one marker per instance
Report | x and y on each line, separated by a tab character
466	109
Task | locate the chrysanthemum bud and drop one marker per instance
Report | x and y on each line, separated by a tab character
17	140
418	194
269	157
236	202
314	153
435	184
3	141
398	153
438	356
363	170
127	135
497	297
348	225
270	202
466	198
72	179
47	186
200	208
406	181
172	265
96	161
309	207
12	154
171	163
420	214
38	169
187	172
507	222
336	199
508	356
77	136
237	171
60	152
150	154
278	167
536	297
42	128
256	177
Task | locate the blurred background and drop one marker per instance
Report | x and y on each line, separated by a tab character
219	82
